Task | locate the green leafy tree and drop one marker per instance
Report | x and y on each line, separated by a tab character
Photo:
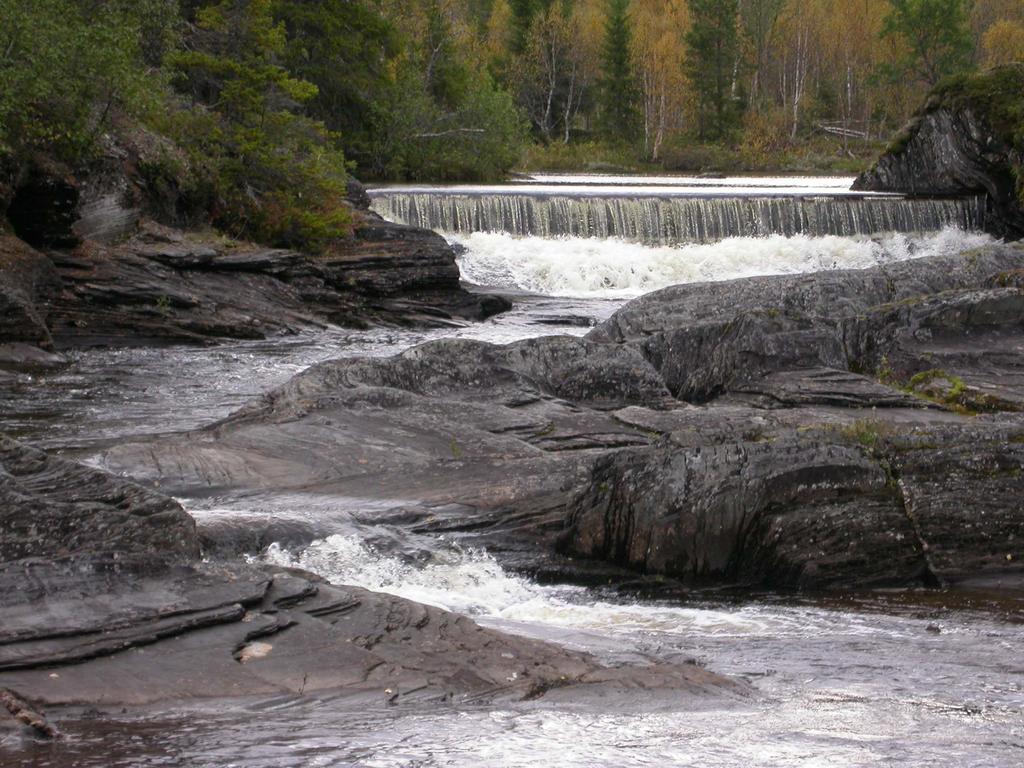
712	55
443	117
278	176
67	66
523	12
937	37
619	94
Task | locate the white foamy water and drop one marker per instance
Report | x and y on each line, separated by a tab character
466	581
472	582
588	267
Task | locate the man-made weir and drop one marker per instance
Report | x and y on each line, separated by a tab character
670	220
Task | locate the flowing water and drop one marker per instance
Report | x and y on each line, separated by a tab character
884	679
669	212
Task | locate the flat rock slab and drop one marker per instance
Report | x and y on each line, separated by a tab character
289	633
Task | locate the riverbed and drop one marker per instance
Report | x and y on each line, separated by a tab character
888	679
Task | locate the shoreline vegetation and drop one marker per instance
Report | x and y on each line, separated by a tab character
815	157
251	115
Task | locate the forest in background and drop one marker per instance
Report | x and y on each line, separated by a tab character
256	111
728	84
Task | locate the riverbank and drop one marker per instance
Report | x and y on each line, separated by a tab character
108	275
455	532
821	155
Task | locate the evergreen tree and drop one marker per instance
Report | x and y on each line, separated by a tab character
618	86
937	35
66	66
713	50
346	48
522	19
279	177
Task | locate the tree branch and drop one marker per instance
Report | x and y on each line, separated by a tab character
451	132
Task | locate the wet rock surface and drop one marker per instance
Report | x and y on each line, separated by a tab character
105	603
769	433
779	431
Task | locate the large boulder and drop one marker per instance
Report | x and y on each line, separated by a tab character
708	339
966	140
501	445
857	506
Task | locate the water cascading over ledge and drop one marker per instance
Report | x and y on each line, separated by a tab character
674	220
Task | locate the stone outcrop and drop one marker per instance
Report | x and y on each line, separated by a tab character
27	280
730	433
50	507
163	284
105	602
778	432
166	285
84	266
964	141
863	504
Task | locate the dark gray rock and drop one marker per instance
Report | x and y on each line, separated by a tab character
709	339
961	143
776	481
104	603
212	632
859	506
165	285
27	281
50	507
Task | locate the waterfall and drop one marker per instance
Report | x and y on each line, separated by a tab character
675	220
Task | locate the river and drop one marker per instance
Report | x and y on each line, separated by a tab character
888	678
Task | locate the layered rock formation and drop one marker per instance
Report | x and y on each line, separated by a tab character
26	279
163	284
965	140
101	273
105	602
817	431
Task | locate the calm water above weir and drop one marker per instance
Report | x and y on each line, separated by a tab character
894	679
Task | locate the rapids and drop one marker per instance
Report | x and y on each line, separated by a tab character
894	679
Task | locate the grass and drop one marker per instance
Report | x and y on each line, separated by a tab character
812	155
867	432
584	157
